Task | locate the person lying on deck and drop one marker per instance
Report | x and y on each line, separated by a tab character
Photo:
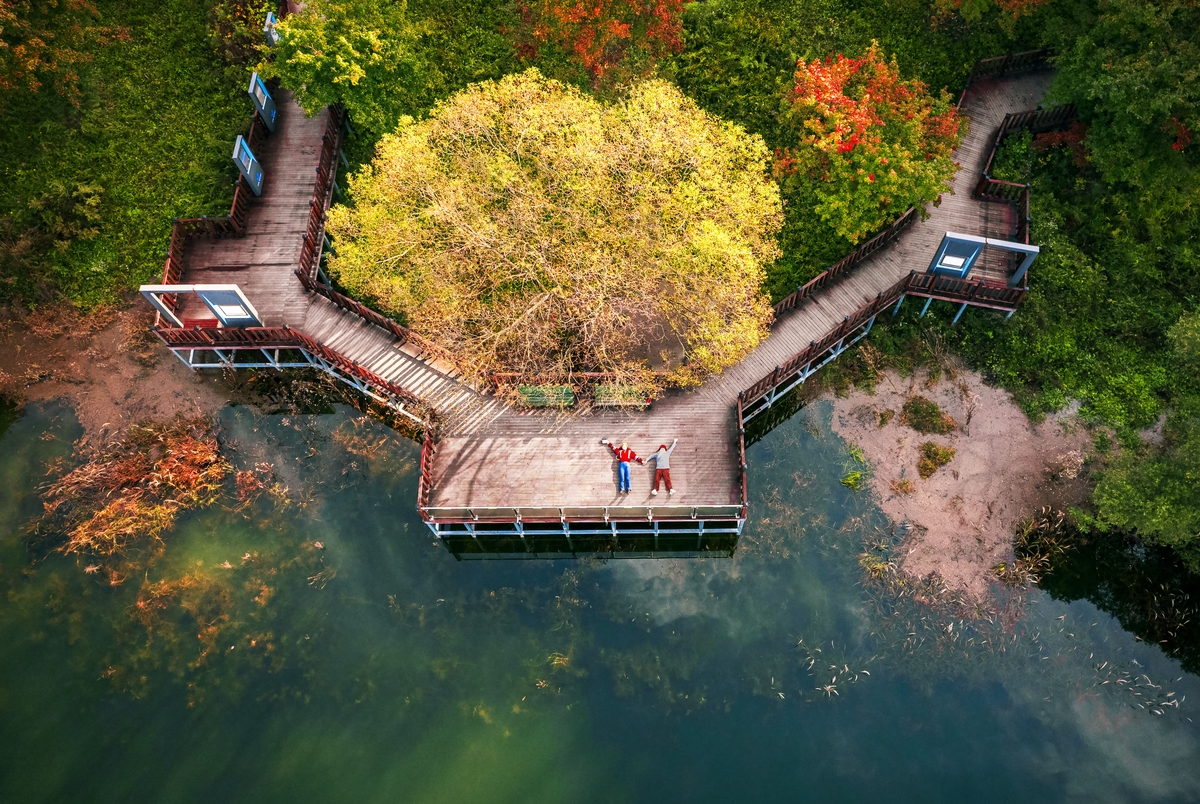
624	456
662	468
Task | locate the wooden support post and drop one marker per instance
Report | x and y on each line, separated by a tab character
928	301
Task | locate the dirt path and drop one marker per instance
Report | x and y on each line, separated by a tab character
109	366
962	518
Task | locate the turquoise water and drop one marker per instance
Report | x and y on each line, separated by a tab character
374	667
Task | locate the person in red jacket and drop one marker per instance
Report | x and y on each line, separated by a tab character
624	456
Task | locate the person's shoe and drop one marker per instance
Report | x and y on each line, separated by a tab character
654	492
670	491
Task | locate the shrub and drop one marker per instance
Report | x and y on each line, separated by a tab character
924	416
933	457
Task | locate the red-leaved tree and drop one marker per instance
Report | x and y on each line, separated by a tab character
870	144
599	34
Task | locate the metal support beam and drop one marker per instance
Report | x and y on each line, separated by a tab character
959	313
928	302
899	302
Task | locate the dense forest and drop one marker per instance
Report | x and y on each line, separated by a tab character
114	117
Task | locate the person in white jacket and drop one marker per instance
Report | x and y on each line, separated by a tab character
662	466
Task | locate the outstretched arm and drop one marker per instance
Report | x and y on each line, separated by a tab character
672	449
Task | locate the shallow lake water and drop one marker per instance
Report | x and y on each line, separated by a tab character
320	646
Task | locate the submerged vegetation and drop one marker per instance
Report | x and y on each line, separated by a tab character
127	497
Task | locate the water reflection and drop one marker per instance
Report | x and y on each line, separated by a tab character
313	642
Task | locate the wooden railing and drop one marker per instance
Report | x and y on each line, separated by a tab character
1010	64
975	293
989	189
234	223
402	333
425	481
742	467
852	259
314	233
280	338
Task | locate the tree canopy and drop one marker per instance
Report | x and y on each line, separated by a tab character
870	144
358	52
527	227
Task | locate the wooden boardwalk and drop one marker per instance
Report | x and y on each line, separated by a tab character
493	456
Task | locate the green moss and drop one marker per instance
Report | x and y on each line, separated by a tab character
933	457
924	416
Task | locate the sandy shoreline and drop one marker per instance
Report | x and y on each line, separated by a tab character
110	368
1005	468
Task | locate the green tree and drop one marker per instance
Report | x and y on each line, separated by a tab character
359	52
1158	495
527	227
1133	68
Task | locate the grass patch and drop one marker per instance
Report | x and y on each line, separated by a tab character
904	486
88	192
924	416
933	457
885	417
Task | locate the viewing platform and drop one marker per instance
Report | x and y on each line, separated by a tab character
498	480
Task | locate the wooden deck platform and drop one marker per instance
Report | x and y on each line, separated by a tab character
263	261
492	457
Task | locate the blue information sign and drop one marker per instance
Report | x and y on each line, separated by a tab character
248	165
263	101
269	30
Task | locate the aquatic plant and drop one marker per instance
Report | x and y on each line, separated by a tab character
131	493
855	480
933	457
924	416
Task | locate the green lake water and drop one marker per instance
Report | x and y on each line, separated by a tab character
376	668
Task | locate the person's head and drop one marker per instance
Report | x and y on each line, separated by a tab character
624	445
662	446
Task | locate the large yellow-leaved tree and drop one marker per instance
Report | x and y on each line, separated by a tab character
526	227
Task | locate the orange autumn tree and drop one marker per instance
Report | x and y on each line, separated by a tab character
869	144
598	34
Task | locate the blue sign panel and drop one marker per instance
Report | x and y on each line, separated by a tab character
248	165
269	30
263	102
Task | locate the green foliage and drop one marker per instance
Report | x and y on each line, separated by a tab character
1156	494
1133	67
528	228
933	457
924	416
1184	335
236	30
88	191
359	52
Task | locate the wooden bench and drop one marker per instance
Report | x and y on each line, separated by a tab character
546	396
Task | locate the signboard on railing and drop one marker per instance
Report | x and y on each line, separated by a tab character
264	104
248	165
